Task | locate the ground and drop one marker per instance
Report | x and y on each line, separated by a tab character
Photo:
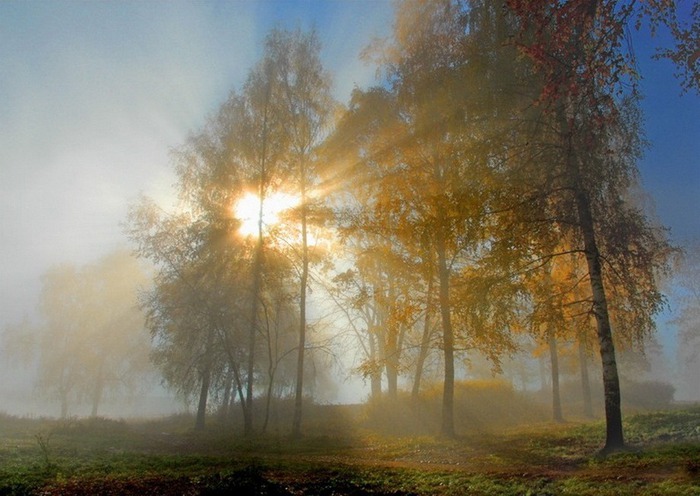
167	457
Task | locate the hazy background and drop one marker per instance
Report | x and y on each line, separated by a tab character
94	94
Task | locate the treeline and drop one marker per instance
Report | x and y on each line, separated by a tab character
486	191
90	341
482	200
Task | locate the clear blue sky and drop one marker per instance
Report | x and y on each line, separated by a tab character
671	167
93	95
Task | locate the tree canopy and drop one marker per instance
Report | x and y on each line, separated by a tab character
484	195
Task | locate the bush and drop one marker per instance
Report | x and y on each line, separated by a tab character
479	405
636	396
647	395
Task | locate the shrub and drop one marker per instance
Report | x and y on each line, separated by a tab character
479	405
647	395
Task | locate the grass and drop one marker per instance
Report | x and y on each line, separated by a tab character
100	456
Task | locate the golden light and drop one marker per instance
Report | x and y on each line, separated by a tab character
248	207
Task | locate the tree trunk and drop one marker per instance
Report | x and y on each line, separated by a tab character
556	397
391	358
298	397
392	377
253	329
424	345
223	412
614	438
375	375
585	380
257	268
544	379
97	391
375	381
238	385
242	400
203	395
268	397
448	427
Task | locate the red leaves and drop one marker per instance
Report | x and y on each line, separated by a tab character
580	46
576	46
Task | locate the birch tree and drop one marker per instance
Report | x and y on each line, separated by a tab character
577	48
303	105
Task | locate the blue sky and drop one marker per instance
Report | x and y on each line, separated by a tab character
670	168
94	94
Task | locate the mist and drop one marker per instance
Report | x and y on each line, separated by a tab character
95	98
109	104
310	247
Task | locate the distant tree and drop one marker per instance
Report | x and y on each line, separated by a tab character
353	298
91	338
688	319
118	350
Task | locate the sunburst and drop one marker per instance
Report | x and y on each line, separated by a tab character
247	210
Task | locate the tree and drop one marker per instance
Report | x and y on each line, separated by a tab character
184	306
304	105
688	319
91	338
260	139
259	145
204	271
407	199
445	64
419	159
576	49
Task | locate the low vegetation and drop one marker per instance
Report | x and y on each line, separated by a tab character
102	456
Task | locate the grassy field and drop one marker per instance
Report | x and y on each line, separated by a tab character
100	456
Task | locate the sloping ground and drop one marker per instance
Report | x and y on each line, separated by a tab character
108	457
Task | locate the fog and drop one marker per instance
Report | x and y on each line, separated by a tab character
105	105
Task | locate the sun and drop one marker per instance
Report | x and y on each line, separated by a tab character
248	207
